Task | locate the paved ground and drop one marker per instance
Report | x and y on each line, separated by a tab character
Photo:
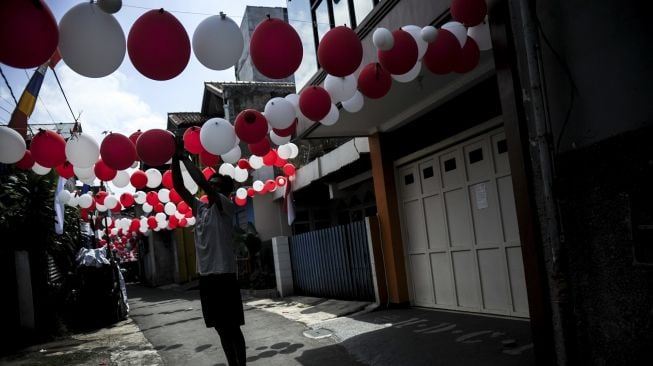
166	328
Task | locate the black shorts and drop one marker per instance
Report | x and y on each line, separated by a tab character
221	301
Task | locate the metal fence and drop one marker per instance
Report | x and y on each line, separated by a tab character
333	263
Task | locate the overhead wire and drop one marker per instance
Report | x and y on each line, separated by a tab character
8	86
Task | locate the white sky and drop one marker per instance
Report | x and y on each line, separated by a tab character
126	100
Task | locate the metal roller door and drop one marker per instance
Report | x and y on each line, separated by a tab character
459	228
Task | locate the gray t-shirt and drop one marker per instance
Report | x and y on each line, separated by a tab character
214	242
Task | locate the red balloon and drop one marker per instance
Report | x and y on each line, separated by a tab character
251	192
117	209
251	126
192	140
103	172
166	179
155	147
402	56
280	181
174	196
374	81
260	148
117	151
158	45
138	179
204	198
151	222
173	221
183	222
65	170
442	54
189	213
209	159
182	207
289	169
152	198
270	185
29	34
27	162
126	199
468	12
280	162
275	48
158	207
208	172
100	196
288	130
468	58
134	136
340	52
244	164
48	149
240	201
314	102
270	157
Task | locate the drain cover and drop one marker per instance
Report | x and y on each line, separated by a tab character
318	333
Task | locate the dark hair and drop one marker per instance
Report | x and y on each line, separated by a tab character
224	182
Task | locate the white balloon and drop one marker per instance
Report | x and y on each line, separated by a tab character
147	208
73	201
240	175
354	104
279	140
107	221
114	231
140	197
383	39
85	200
218	42
241	193
217	136
227	169
89	180
416	32
190	221
284	151
410	75
121	180
110	202
39	169
170	208
340	88
83	173
232	155
258	185
12	145
179	215
294	100
136	164
64	196
162	224
154	178
91	42
280	113
458	30
143	230
481	34
429	33
255	162
160	216
101	208
295	150
164	195
110	6
332	117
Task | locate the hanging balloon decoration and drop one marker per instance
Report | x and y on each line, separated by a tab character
48	149
218	42
91	41
110	6
250	126
158	45
12	145
28	33
468	12
340	52
468	58
27	162
217	136
443	53
117	151
82	150
402	56
191	139
374	81
314	102
275	48
155	147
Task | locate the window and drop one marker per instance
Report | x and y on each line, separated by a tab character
341	15
322	19
299	16
361	9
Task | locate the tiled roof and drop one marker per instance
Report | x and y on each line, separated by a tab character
187	118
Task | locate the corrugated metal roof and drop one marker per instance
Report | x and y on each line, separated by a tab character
187	118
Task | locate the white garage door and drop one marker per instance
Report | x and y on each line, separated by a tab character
459	227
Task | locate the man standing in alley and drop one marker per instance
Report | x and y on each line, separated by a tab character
222	305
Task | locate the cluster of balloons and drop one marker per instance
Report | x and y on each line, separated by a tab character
93	44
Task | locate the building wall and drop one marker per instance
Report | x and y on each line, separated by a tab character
245	70
270	219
